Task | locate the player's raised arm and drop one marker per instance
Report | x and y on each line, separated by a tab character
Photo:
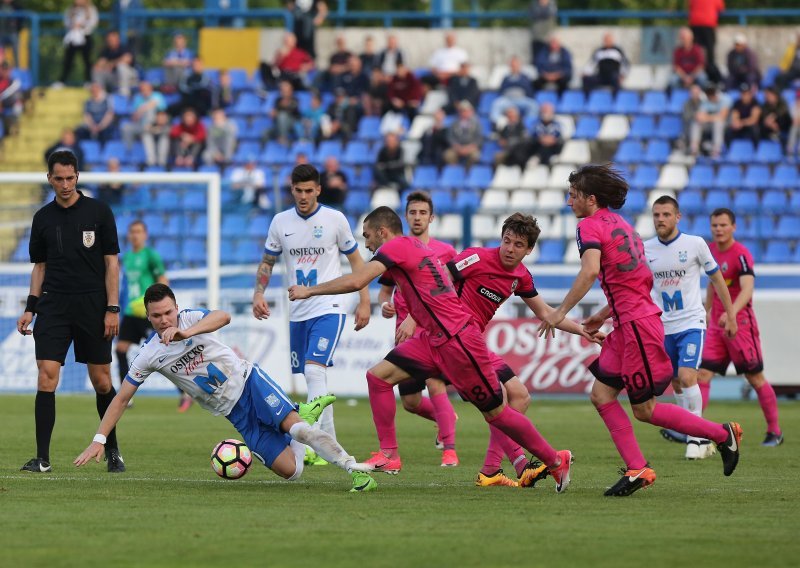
114	412
211	322
263	275
363	310
590	268
342	285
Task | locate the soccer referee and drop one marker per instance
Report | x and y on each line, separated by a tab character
74	294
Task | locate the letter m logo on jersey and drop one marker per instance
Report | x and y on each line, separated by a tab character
304	279
674	302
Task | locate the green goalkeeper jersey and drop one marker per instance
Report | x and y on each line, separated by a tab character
142	269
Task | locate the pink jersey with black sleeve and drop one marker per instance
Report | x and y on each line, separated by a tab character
419	275
483	284
624	276
733	263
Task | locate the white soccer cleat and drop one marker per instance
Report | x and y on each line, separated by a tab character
693	450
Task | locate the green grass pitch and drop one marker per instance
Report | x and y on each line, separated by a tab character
170	509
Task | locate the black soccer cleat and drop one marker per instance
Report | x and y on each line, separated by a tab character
115	463
673	436
632	480
37	465
772	440
729	449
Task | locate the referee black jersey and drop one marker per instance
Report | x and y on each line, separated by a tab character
72	242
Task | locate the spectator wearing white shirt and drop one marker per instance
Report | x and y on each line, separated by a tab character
252	182
220	140
446	61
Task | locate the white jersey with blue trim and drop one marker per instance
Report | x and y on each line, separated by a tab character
203	367
311	246
676	266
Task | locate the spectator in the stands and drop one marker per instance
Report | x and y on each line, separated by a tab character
338	64
222	95
285	114
252	182
790	65
547	137
435	141
220	139
688	113
703	20
792	147
354	80
462	87
80	21
405	92
554	66
291	63
376	99
196	90
334	184
11	96
307	15
745	116
465	137
156	140
311	122
111	192
742	64
776	120
607	67
711	120
446	61
9	31
688	62
516	90
390	166
98	116
146	104
115	69
369	57
391	57
513	140
187	140
176	63
343	117
543	14
68	141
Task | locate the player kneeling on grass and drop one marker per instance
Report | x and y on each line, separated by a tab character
184	350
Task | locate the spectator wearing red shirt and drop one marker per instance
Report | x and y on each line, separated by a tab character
688	62
405	92
188	138
290	64
703	19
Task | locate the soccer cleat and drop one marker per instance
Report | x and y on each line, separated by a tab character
312	458
772	440
632	480
673	436
449	458
438	444
497	479
37	465
184	403
729	449
534	471
380	462
693	450
561	473
363	482
310	411
115	463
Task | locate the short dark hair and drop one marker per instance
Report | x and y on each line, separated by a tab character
158	292
724	211
305	172
137	222
523	226
63	157
385	217
423	196
604	182
665	199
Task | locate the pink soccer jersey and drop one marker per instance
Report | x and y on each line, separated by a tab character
624	276
483	284
425	287
733	263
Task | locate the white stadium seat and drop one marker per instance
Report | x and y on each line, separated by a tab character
420	126
494	199
448	227
644	226
485	227
536	177
385	196
434	100
506	177
552	199
522	200
673	176
574	152
567	125
559	177
613	127
639	78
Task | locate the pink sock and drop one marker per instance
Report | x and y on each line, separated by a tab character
705	388
681	420
384	408
494	453
517	427
621	430
769	406
445	419
514	453
425	409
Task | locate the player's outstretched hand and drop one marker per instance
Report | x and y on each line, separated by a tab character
298	292
260	307
594	337
23	322
363	314
95	450
387	310
172	334
548	326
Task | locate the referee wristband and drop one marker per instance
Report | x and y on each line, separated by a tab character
100	439
30	304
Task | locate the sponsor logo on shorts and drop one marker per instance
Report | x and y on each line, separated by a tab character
691	349
273	401
323	343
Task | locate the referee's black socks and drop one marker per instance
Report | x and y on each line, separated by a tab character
45	415
122	364
103	402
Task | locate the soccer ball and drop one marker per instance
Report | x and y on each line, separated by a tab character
231	459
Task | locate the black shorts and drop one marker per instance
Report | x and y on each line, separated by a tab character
133	329
63	319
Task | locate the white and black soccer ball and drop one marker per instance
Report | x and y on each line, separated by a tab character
231	459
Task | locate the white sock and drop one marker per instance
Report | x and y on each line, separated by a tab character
324	444
693	401
299	451
317	381
680	399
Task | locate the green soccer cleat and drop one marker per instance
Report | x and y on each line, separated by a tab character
363	482
311	411
312	458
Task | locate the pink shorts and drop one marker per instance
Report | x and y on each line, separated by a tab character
463	360
418	383
744	350
633	358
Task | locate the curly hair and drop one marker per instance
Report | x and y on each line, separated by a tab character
604	182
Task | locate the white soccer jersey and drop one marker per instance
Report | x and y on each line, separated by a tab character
204	368
311	246
676	267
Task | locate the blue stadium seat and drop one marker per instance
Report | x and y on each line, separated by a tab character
657	152
467	199
796	255
700	226
740	152
443	201
21	253
745	227
572	102
248	104
167	198
154	75
769	76
716	199
226	250
364	178
669	127
728	177
328	148
169	250
653	102
746	202
788	227
488	151
122	105
369	128
239	79
691	201
794	201
248	250
644	178
198	227
754	246
193	252
258	225
642	127
785	177
700	177
635	202
627	102
194	199
260	127
775	201
356	153
232	224
136	196
486	101
777	252
587	127
357	201
769	152
763	225
600	102
479	177
756	177
155	224
546	96
24	77
425	177
551	251
245	150
452	176
628	152
301	147
243	130
677	100
90	149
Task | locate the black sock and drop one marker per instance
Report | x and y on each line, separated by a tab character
45	413
103	400
122	365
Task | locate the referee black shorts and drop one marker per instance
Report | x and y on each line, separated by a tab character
62	319
133	329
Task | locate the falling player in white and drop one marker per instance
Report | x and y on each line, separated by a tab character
184	350
676	260
311	237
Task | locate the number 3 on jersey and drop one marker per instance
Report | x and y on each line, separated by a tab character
304	279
